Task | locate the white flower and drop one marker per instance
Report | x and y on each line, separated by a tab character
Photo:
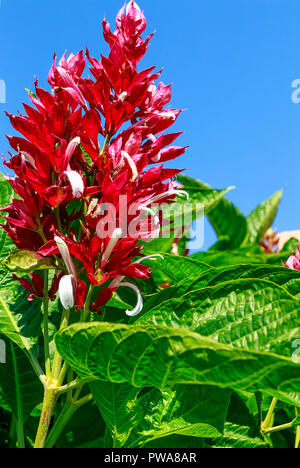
76	183
66	291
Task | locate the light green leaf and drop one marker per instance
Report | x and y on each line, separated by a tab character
119	408
261	219
188	410
236	436
161	357
26	261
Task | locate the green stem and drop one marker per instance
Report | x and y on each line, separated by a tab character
46	325
74	385
86	309
278	428
57	216
50	398
266	424
66	414
57	360
20	434
297	440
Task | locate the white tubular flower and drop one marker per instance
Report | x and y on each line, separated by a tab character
116	235
139	305
150	257
156	158
123	96
156	231
64	252
179	193
132	165
66	291
29	158
76	183
71	148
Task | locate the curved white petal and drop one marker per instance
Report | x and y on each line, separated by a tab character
155	226
150	257
64	252
132	165
179	193
116	235
139	305
123	96
76	183
66	291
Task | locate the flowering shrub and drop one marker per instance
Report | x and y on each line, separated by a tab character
105	318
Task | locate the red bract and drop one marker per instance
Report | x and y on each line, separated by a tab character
88	204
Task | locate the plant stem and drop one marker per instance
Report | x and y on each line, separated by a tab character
20	434
56	213
46	324
86	309
265	425
50	398
66	414
297	440
57	361
278	428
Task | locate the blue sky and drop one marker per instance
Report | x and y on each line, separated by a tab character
231	62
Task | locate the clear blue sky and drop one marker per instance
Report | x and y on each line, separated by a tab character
232	63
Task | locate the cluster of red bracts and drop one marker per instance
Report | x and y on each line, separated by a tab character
59	160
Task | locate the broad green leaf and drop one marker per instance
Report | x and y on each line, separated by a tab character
226	218
172	268
119	408
261	219
251	314
284	277
6	245
188	410
161	357
228	221
201	193
236	436
26	261
21	388
241	255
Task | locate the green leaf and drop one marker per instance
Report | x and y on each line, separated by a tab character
236	436
26	261
21	388
261	219
172	268
84	430
241	255
201	193
161	357
118	406
226	219
30	93
253	313
188	410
